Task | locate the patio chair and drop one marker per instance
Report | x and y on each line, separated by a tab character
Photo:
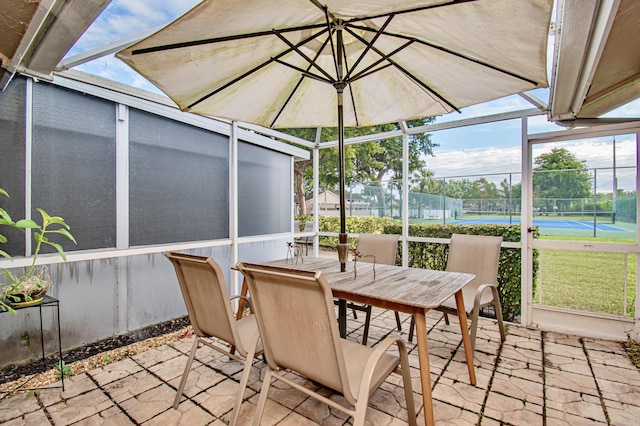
308	227
205	294
479	255
381	249
297	323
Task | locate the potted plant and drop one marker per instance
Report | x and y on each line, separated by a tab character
30	287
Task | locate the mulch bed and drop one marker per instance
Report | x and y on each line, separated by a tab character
15	372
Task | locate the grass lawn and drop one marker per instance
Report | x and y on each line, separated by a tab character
587	281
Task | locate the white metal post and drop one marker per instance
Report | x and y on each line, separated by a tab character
233	206
122	212
122	176
28	158
405	193
526	237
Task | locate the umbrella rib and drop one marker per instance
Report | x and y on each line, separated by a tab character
368	45
306	72
366	71
305	57
333	49
411	10
353	104
324	8
451	52
251	71
284	105
364	74
408	74
220	39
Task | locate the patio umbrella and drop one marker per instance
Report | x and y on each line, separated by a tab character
307	63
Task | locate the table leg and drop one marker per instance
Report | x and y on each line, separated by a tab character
243	293
425	372
342	317
464	330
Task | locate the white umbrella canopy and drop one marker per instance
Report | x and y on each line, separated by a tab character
443	56
307	63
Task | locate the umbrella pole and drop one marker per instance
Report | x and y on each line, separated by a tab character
340	85
342	237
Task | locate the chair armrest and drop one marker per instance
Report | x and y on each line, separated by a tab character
481	289
374	358
246	300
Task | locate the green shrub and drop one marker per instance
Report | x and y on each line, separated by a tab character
434	256
354	225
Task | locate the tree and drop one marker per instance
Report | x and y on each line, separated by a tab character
423	183
423	180
560	175
379	159
369	161
328	161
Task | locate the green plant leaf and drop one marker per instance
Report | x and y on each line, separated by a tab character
57	247
27	223
11	276
66	233
6	219
58	221
4	253
3	192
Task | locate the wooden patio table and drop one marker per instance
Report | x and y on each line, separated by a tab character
409	290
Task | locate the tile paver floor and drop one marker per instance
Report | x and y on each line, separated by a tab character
534	378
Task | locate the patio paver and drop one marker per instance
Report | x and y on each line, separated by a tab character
534	378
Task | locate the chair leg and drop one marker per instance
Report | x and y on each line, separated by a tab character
355	316
475	314
264	390
398	321
367	321
411	328
187	369
406	381
498	309
243	380
446	318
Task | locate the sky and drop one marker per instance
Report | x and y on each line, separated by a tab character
489	148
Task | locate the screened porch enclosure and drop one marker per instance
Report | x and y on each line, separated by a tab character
133	179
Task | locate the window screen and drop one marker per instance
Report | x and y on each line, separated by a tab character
12	163
264	191
179	181
74	164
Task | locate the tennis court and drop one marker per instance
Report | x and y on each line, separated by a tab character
557	224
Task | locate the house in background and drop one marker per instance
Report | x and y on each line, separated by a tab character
329	205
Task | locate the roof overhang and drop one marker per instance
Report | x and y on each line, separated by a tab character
596	59
35	35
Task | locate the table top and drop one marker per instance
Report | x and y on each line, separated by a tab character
393	287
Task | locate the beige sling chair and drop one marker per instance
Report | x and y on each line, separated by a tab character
374	248
479	255
208	304
297	322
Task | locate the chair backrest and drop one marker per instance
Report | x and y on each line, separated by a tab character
297	323
205	294
384	247
475	254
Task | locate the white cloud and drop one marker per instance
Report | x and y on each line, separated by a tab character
497	162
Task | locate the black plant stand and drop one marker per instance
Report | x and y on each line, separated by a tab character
47	302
